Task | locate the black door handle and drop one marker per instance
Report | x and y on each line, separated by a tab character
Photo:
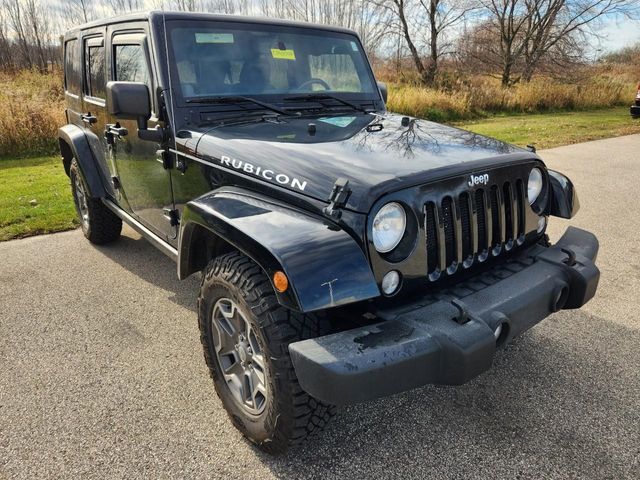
88	118
116	130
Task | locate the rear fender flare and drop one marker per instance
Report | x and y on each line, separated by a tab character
74	144
324	265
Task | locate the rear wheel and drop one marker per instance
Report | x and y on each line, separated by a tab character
99	224
245	334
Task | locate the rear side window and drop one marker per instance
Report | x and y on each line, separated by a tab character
94	70
131	64
72	77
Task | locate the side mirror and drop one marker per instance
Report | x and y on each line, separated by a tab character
131	101
128	100
383	90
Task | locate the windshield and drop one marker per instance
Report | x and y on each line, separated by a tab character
212	59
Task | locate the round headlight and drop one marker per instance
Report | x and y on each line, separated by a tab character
535	185
388	227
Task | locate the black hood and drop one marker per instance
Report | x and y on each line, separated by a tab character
377	153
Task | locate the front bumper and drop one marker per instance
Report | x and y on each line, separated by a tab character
449	339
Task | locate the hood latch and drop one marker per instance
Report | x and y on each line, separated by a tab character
338	199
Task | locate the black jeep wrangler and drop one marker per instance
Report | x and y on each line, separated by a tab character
346	252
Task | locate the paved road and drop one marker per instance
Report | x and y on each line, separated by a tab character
102	376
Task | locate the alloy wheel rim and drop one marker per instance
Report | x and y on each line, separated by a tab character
81	201
239	356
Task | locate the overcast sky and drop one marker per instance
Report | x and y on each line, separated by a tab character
619	34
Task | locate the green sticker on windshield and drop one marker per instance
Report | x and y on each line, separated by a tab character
338	121
214	37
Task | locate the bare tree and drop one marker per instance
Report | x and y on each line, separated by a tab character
15	15
84	7
6	57
125	6
556	23
433	17
528	32
38	28
509	18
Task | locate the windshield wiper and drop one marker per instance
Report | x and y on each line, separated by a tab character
239	99
318	97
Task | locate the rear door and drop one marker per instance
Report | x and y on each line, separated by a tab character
144	182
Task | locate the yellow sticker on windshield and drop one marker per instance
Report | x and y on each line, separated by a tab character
283	54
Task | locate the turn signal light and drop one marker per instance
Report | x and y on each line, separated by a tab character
280	281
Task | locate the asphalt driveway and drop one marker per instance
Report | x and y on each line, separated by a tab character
102	375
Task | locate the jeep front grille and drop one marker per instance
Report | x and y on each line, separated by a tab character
471	227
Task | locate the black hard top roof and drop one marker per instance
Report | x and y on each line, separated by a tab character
151	15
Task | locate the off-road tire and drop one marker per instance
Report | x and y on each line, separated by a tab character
101	225
290	414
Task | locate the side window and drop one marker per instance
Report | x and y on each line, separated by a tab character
94	70
130	64
72	78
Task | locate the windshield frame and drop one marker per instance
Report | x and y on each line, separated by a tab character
278	99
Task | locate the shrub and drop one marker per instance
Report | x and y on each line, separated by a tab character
31	111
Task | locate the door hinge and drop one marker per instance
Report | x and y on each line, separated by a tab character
173	216
338	199
116	183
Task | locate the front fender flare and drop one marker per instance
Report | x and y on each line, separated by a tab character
73	137
563	201
325	266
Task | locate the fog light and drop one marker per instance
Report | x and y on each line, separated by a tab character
542	224
390	282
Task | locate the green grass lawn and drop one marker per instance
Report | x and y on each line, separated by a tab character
34	179
548	130
44	180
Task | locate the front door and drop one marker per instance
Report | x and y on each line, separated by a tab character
144	184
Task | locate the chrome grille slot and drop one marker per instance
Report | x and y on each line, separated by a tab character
432	236
466	233
483	232
496	237
508	216
520	209
449	232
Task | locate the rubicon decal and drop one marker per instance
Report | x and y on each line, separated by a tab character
266	173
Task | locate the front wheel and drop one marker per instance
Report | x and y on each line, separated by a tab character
245	334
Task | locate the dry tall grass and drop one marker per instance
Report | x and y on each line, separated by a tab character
31	110
482	96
